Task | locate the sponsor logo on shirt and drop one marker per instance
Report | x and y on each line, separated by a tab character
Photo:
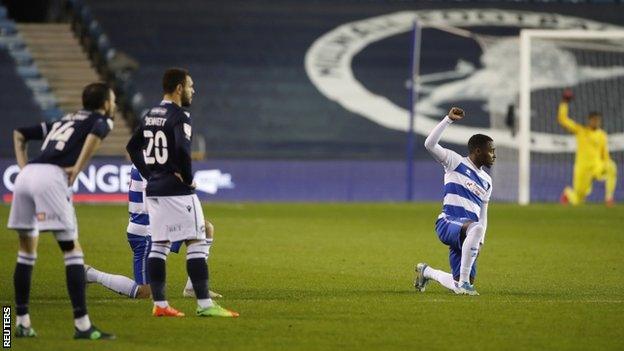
470	185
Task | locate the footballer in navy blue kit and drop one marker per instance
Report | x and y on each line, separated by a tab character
140	241
463	221
161	150
42	200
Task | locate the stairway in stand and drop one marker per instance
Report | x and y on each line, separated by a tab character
62	61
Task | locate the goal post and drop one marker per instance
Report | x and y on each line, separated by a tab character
593	62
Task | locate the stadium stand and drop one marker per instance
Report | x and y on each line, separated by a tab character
21	85
254	98
18	106
62	61
48	60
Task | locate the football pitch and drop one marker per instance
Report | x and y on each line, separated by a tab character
339	276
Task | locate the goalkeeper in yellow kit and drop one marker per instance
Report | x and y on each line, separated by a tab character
592	160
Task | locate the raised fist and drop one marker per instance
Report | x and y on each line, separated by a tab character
567	95
456	113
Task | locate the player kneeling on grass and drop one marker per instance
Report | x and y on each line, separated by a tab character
161	151
463	221
140	242
592	161
42	200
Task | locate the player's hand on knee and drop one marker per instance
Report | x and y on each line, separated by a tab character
456	113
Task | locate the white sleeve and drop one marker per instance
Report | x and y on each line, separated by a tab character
483	215
448	158
483	220
144	186
489	193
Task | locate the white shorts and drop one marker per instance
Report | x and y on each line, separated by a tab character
42	201
174	218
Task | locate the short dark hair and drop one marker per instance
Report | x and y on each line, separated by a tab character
478	141
173	77
593	114
95	95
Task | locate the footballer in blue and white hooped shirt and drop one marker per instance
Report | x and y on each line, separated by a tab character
138	227
463	221
140	242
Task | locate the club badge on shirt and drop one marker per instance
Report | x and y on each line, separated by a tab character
187	130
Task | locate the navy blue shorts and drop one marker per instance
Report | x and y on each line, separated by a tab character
141	246
449	232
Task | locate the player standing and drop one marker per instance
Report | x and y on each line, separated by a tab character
140	242
463	221
42	200
592	159
161	151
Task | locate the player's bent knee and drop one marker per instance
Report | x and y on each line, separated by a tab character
66	245
197	249
65	235
475	230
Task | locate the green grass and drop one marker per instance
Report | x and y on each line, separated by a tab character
339	276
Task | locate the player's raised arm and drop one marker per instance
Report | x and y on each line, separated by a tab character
439	153
562	114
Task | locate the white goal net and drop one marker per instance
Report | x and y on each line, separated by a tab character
591	63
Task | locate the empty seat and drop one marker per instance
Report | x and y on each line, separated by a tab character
16	103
